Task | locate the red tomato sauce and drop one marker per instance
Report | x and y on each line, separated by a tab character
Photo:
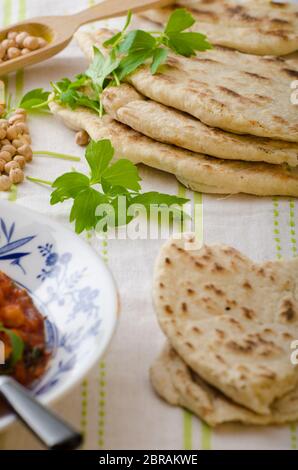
19	314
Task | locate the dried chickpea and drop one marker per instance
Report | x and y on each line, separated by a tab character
7	43
13	53
5	142
10	166
16	175
12	34
26	139
2	51
3	124
26	152
17	143
20	161
42	42
9	148
25	51
5	183
21	111
21	37
2	133
6	156
82	138
17	118
12	132
2	165
31	43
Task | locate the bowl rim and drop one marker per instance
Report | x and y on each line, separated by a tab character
63	390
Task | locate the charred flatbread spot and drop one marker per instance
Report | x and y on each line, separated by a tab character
215	289
288	311
199	265
190	291
287	335
246	347
248	313
189	345
168	261
230	92
280	21
235	322
247	285
184	307
291	72
168	309
235	10
218	268
280	120
256	75
196	329
204	13
268	330
161	285
220	358
220	333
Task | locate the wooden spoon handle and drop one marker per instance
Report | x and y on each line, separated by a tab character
112	8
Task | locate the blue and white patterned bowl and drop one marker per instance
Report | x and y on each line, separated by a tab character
70	285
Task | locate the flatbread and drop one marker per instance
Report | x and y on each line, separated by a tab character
237	92
177	384
231	320
170	126
228	177
255	27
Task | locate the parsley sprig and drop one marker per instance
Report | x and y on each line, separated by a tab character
110	184
17	345
125	52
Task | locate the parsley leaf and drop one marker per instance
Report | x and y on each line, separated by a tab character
101	67
17	345
159	57
179	20
84	208
68	186
35	100
187	44
114	182
122	173
99	155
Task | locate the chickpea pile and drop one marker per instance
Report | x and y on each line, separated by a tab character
82	138
15	149
18	43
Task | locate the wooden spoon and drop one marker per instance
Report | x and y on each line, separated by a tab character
59	30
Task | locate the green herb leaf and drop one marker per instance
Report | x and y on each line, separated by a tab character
137	40
130	63
101	67
187	44
159	57
84	208
68	186
17	345
35	99
179	20
99	155
122	173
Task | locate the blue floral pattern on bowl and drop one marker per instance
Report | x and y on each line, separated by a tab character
72	288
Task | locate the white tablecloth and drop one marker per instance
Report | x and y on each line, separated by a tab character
115	405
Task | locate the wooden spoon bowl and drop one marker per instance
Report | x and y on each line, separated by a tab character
59	30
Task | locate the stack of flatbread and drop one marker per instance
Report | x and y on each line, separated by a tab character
221	122
230	324
261	27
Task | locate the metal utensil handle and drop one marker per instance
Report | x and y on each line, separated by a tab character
48	428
